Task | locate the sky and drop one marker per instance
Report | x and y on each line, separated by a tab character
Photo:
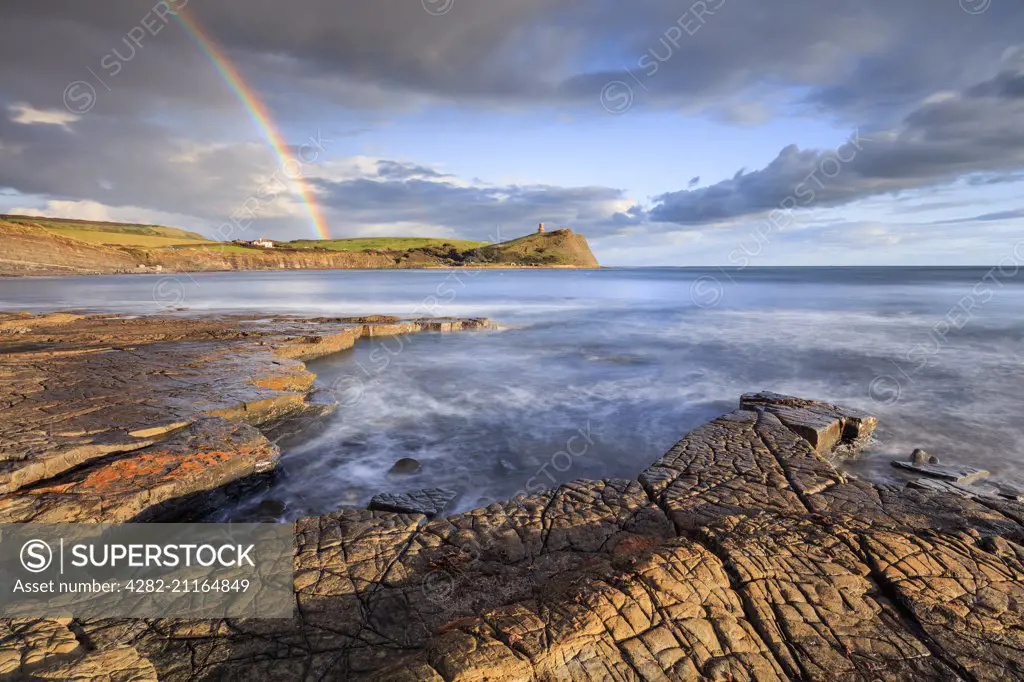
718	133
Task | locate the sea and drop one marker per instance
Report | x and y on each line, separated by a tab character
596	373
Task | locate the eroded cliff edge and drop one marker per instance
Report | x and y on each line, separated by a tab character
744	553
32	250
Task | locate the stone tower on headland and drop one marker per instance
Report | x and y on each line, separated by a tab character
540	229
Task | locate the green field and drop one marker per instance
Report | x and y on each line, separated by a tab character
220	247
382	244
119	238
114	234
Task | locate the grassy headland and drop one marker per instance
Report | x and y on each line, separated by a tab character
58	246
381	244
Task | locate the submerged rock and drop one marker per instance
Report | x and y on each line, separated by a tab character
270	510
429	501
405	467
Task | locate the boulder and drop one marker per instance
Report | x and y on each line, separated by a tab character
920	456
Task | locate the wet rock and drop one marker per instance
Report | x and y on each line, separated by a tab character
152	481
110	418
429	501
743	553
955	474
1010	492
822	424
786	572
405	467
270	509
919	456
947	487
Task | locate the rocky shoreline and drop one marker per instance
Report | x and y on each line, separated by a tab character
744	553
118	418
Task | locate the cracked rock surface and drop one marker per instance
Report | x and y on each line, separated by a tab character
427	501
744	553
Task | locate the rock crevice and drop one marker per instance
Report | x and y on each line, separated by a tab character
743	553
713	568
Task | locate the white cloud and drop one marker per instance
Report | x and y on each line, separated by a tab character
26	114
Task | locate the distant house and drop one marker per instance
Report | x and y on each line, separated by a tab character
263	243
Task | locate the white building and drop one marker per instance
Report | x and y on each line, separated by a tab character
263	243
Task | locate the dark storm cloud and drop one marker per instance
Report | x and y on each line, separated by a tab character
133	58
948	137
849	56
863	62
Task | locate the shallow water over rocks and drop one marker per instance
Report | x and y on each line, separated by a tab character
615	365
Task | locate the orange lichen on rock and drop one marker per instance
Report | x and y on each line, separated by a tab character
108	416
207	455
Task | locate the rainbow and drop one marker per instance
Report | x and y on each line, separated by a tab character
259	114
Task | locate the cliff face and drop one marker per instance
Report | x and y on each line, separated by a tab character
32	250
204	260
557	248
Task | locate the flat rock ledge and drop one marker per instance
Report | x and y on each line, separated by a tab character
116	418
429	502
743	553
